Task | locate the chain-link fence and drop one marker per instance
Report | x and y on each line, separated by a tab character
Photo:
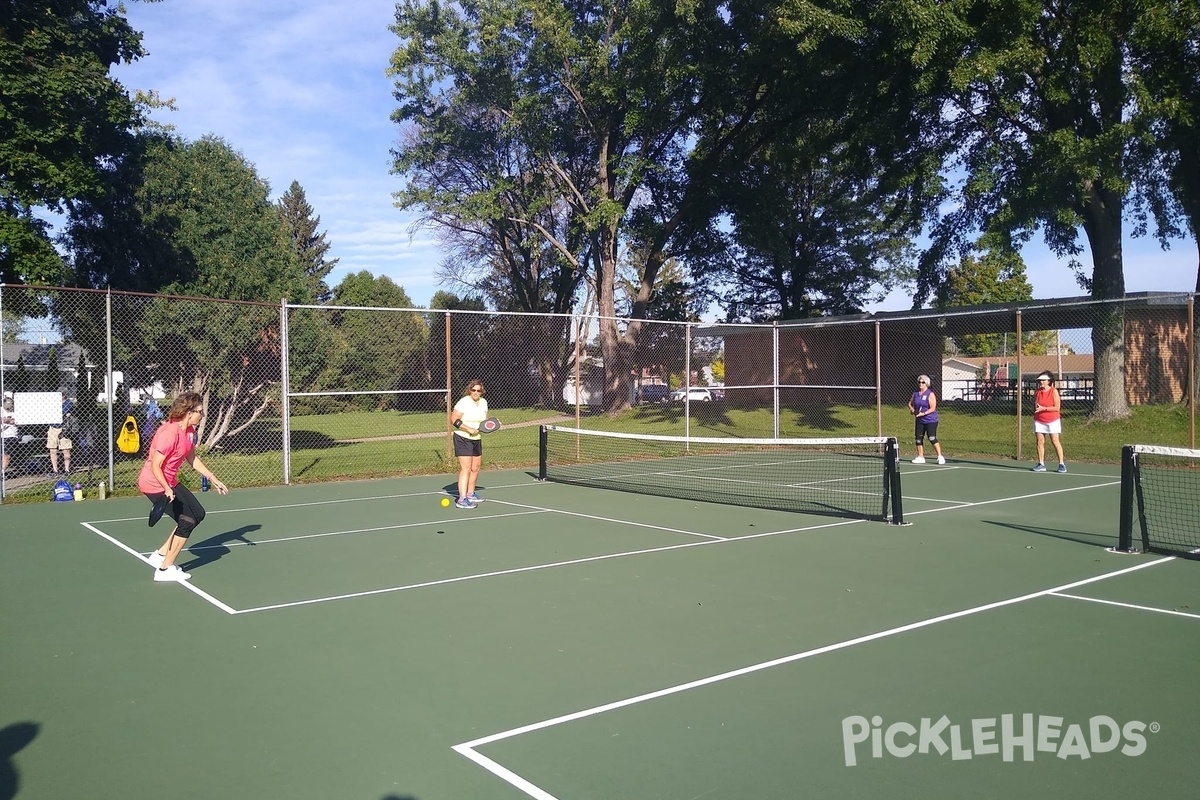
326	393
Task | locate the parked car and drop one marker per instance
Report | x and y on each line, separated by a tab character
695	394
654	393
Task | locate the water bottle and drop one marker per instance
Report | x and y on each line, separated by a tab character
101	490
78	491
203	484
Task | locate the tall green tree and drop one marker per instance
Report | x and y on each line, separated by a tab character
1044	134
662	345
632	118
996	275
812	233
1166	67
192	219
63	119
603	96
1165	59
378	347
311	248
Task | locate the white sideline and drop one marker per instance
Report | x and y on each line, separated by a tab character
1127	605
468	749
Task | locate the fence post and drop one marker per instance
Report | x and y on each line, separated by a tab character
775	375
110	387
449	445
1191	393
3	475
285	385
879	384
578	373
1020	386
687	379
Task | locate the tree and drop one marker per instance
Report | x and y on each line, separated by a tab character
813	231
997	276
376	349
310	247
51	379
1041	110
661	347
633	118
62	119
603	98
191	219
1166	64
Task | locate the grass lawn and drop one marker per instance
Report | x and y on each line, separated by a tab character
358	445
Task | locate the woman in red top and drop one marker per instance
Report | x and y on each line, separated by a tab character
173	444
1047	420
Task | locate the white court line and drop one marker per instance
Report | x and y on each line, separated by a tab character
458	519
952	503
605	557
468	749
908	514
434	492
398	526
917	469
634	523
185	584
536	567
1126	605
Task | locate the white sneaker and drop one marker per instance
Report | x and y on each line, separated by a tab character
155	559
941	459
919	460
171	573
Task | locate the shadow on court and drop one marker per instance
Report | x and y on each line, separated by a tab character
13	739
452	488
1082	537
213	548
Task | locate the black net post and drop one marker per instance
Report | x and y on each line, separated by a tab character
541	452
1128	469
892	465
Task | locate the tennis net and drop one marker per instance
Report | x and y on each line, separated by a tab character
849	477
1159	491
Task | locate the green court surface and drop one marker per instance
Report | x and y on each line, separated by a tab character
358	641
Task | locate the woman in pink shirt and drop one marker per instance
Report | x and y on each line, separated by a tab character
173	444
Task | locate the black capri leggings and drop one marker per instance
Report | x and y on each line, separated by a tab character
924	428
186	510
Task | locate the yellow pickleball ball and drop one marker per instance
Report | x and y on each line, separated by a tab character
445	502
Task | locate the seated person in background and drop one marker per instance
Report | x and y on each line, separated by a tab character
8	432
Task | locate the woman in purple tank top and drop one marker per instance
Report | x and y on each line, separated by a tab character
923	406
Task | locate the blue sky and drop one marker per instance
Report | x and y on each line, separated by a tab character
298	87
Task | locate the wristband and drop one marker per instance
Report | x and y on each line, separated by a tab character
458	423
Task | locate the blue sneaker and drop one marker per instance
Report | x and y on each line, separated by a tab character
464	502
475	498
1061	468
1039	468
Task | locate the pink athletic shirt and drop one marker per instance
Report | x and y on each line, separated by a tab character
176	442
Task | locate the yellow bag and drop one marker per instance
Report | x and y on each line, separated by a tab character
128	440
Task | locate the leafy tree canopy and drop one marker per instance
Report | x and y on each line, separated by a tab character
62	118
